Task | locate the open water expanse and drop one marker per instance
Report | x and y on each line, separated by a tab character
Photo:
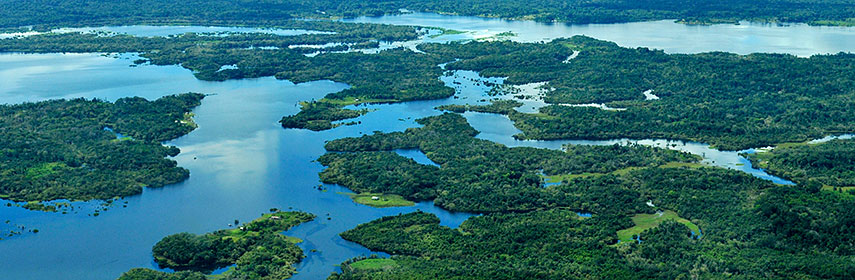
242	162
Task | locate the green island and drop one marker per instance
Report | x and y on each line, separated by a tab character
318	116
380	200
257	250
69	149
511	182
495	107
645	222
829	164
445	31
79	12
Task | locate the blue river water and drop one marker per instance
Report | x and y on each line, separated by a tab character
242	162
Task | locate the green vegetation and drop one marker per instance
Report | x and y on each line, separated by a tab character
395	75
847	22
60	149
373	264
383	200
150	274
496	107
36	206
115	12
648	221
445	31
317	116
566	177
752	229
510	182
729	101
258	250
830	163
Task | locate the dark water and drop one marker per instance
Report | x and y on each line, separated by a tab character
242	162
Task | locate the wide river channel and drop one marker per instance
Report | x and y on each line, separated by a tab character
243	163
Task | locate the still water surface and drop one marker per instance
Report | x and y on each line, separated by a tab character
243	163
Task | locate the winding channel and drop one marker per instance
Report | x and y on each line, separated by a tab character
243	163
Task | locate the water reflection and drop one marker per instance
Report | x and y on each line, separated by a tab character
242	163
797	39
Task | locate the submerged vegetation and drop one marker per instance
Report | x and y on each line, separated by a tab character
68	149
257	249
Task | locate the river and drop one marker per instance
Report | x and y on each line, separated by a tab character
243	163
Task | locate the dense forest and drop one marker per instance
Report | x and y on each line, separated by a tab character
42	13
318	116
70	149
394	75
830	163
751	229
727	100
503	107
258	250
150	274
510	182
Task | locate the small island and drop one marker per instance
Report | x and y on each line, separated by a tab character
257	250
91	149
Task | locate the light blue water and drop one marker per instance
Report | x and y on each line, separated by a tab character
243	163
169	30
417	156
796	39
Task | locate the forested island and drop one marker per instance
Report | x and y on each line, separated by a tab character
463	182
257	250
90	149
17	13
